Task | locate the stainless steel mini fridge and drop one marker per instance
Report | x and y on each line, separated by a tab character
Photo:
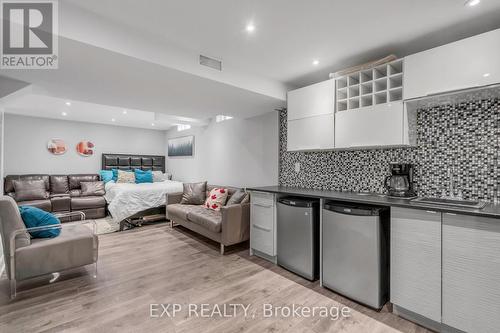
355	252
298	236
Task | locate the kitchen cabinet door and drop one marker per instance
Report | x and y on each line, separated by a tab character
416	261
379	125
312	133
471	273
467	63
313	100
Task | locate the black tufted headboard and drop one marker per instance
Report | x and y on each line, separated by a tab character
128	162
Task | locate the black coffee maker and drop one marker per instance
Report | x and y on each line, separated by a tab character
400	182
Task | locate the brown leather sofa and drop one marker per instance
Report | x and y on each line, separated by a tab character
230	225
63	194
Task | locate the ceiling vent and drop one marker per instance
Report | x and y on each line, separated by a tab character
211	62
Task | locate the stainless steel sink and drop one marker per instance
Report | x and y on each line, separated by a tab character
371	194
451	202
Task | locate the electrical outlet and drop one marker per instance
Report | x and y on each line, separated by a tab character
297	167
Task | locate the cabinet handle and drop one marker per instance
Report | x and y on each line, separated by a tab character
256	226
261	205
452	214
431	211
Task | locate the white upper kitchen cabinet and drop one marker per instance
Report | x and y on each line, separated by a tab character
378	125
311	123
311	133
314	100
468	63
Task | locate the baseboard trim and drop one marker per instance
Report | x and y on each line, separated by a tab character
262	255
416	318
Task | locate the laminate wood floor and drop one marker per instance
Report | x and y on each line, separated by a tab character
156	264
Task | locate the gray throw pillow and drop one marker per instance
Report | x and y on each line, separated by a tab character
236	198
29	190
194	193
92	188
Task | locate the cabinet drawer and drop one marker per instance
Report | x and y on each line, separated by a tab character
262	199
262	215
262	239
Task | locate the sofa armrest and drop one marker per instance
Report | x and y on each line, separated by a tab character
173	198
235	223
12	240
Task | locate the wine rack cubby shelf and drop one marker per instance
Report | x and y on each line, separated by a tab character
378	85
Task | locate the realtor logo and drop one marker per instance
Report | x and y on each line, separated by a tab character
29	34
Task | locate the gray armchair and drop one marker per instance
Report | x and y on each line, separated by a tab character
25	258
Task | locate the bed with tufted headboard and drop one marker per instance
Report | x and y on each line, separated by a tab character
128	201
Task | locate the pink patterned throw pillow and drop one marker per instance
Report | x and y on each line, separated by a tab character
216	199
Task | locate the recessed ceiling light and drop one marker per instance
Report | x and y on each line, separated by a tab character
124	111
472	3
113	119
250	27
220	117
315	62
486	74
152	124
68	103
64	114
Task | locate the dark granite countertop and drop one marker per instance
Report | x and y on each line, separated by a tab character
490	210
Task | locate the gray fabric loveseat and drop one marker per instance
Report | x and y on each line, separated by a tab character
229	226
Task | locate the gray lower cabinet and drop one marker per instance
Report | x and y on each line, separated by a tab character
263	224
416	261
471	273
446	267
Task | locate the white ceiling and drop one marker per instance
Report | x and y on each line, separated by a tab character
90	74
30	103
290	34
144	55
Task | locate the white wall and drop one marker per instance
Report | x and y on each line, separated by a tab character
26	144
237	152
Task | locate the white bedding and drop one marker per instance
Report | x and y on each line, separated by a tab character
125	200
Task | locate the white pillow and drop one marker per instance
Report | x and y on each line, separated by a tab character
157	176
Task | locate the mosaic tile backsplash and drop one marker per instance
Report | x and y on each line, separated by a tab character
456	144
